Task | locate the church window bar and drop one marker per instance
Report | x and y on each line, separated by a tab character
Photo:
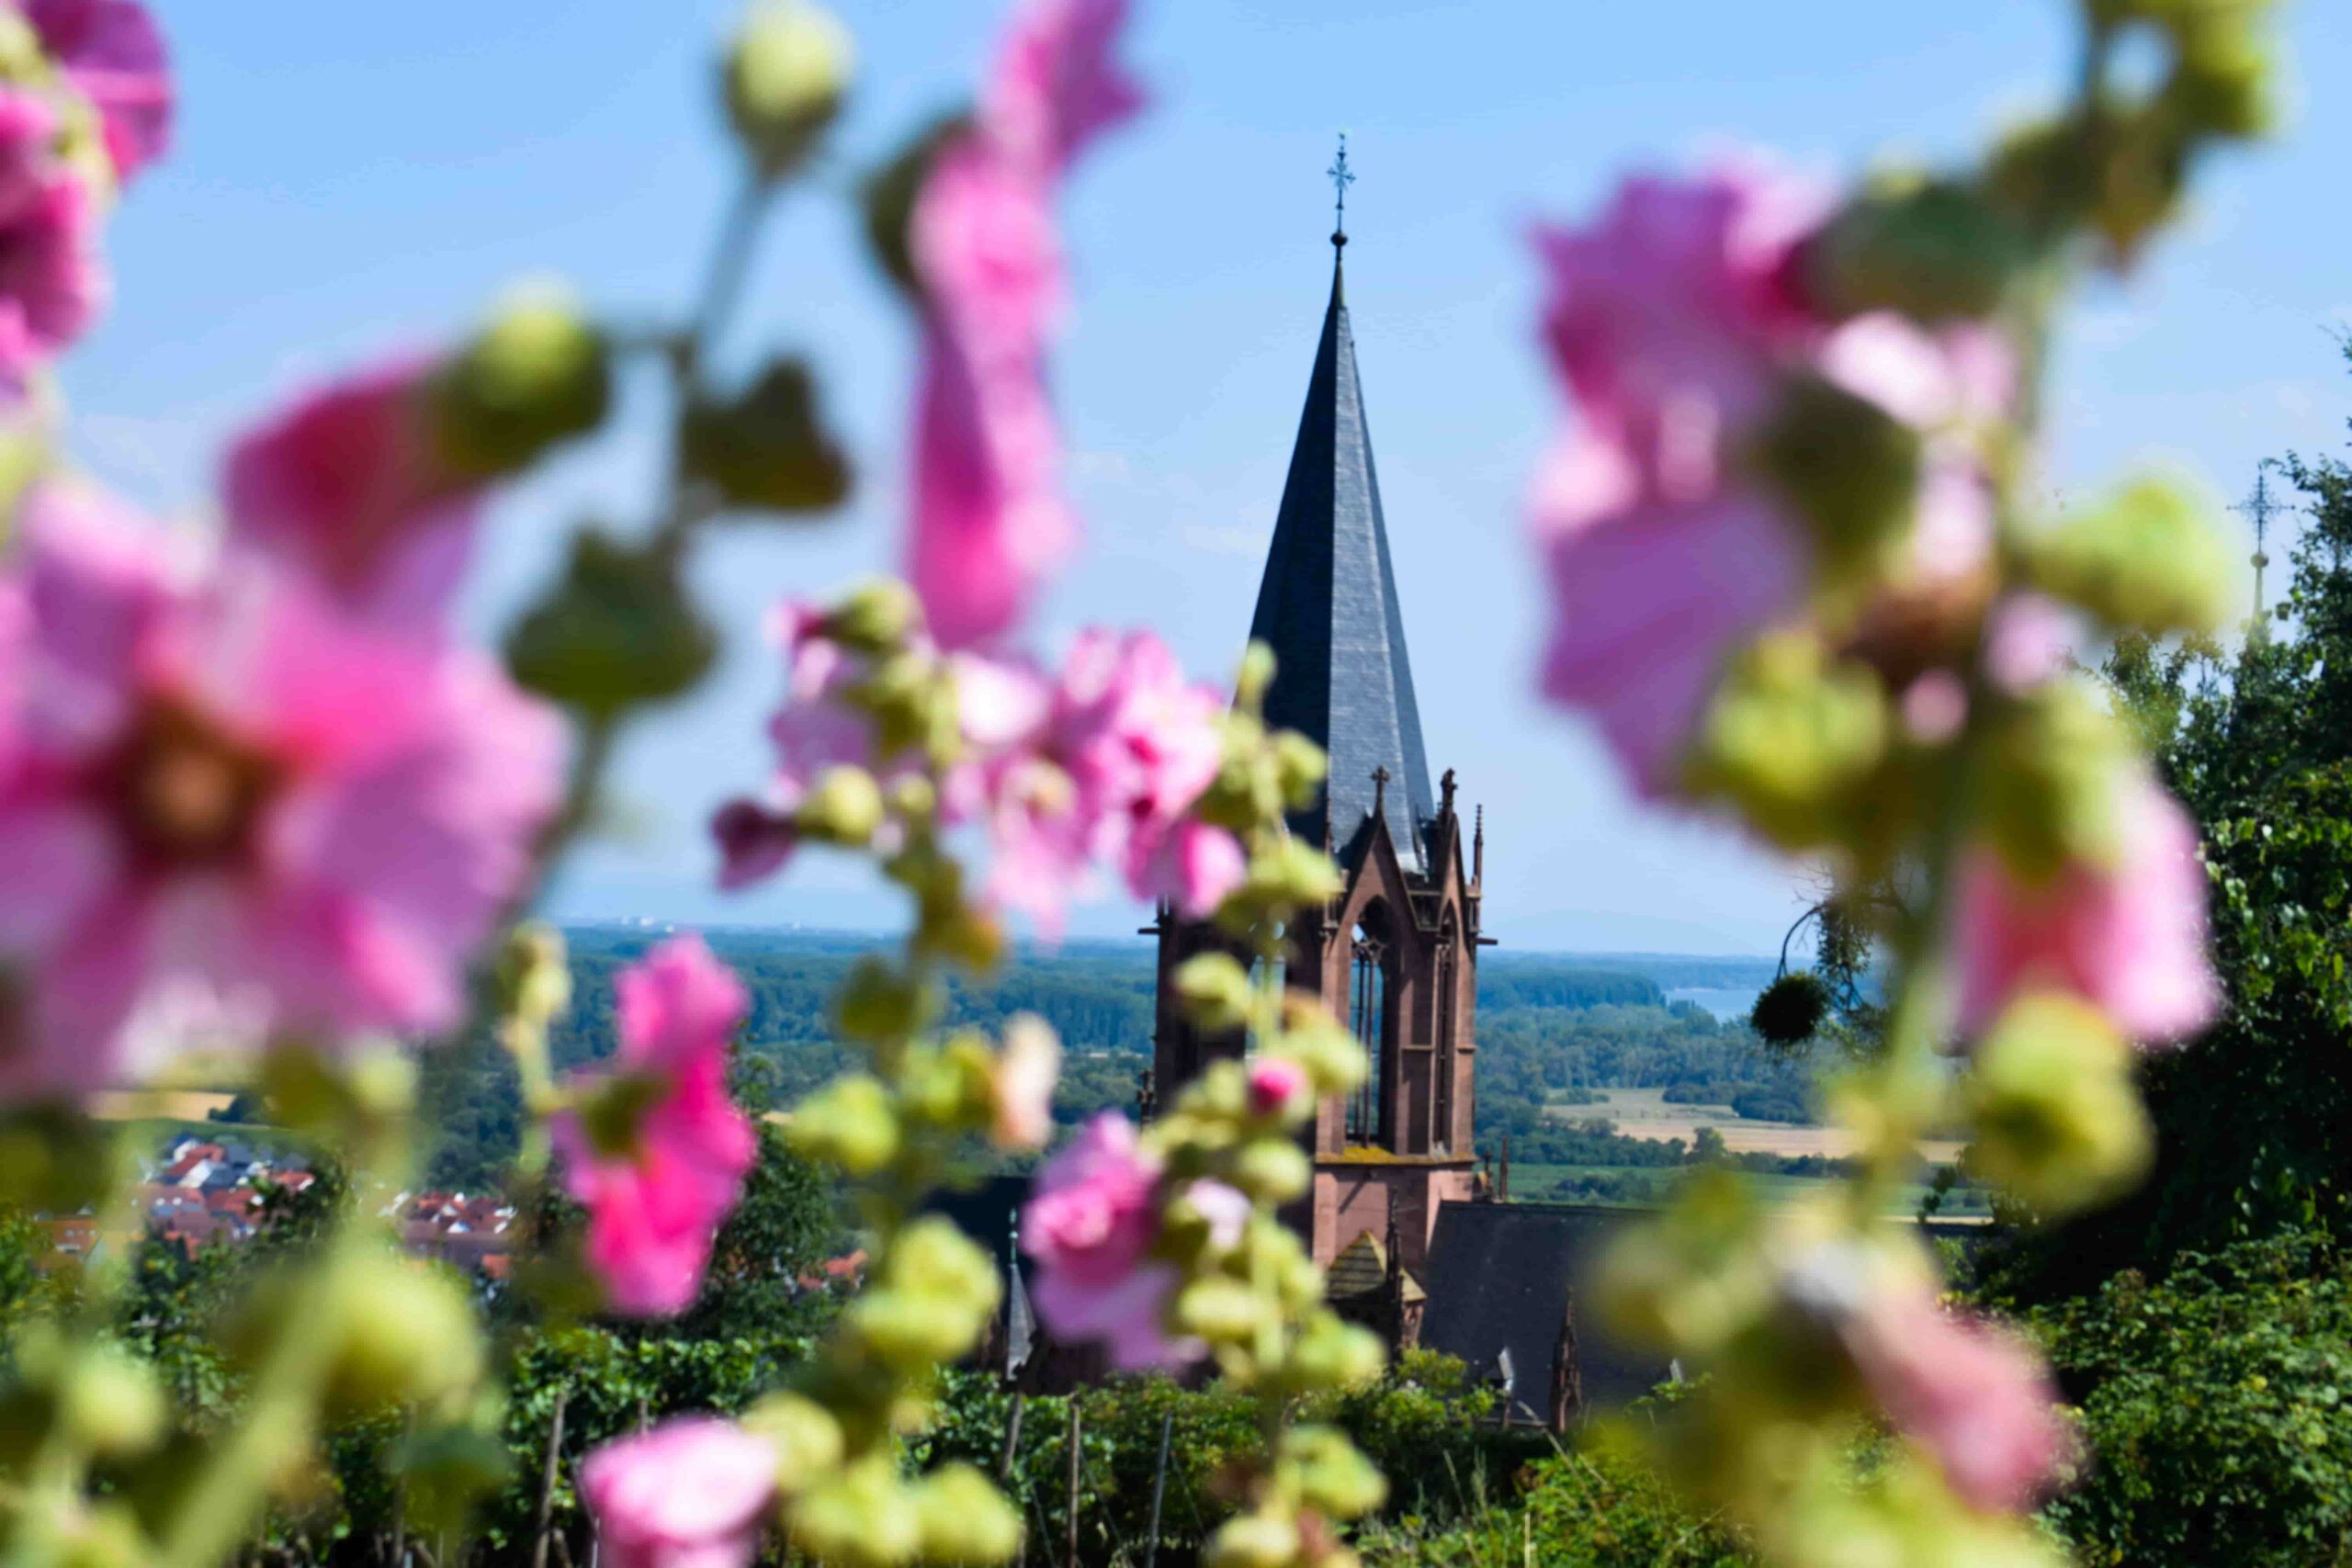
1448	1004
1369	1008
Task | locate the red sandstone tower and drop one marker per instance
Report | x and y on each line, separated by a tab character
1396	956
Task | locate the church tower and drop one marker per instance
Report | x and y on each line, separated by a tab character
1394	956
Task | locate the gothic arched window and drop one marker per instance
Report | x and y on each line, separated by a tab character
1449	943
1368	1010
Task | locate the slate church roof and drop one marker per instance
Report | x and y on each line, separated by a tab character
1328	608
1498	1275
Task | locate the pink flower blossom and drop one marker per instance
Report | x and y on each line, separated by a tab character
654	1209
51	285
1676	324
1648	604
1089	1225
686	1494
113	54
990	521
1971	1394
1668	316
1054	86
2128	939
220	801
1277	1085
1027	1069
349	484
1123	748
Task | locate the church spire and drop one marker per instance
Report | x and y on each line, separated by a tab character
1328	607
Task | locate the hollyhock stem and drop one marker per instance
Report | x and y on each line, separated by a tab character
731	261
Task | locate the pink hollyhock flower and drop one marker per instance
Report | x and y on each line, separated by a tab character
1124	746
990	521
1648	604
220	803
1056	87
654	1208
1277	1085
1027	1069
1669	316
1975	1397
113	54
1089	1226
1675	324
686	1494
348	484
51	285
2128	939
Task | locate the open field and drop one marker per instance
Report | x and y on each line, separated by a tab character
158	1104
1644	1113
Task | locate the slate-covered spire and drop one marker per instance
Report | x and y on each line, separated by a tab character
1328	608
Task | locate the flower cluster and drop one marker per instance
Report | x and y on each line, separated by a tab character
1797	576
989	519
85	105
656	1151
1100	765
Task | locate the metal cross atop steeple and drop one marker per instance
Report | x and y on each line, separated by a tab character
2260	508
1341	178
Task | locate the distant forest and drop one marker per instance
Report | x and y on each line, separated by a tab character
1552	1028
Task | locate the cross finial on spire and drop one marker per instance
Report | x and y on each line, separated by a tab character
2259	509
1380	791
1341	178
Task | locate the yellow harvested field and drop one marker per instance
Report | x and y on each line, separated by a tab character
1644	1113
157	1104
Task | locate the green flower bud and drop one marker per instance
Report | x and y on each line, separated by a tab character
851	1123
1331	1477
1299	767
1290	874
1688	1282
405	1335
1331	1354
785	77
2056	765
1222	1311
539	373
105	1535
1850	468
1789	738
1256	677
616	632
876	618
933	1258
1253	1541
878	1004
767	450
858	1517
909	1333
2058	1121
1274	1170
2150	559
961	1517
844	807
534	978
1214	990
112	1403
808	1439
1933	250
1334	1058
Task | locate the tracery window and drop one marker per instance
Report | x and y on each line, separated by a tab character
1368	1009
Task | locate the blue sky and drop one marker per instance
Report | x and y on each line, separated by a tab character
355	178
